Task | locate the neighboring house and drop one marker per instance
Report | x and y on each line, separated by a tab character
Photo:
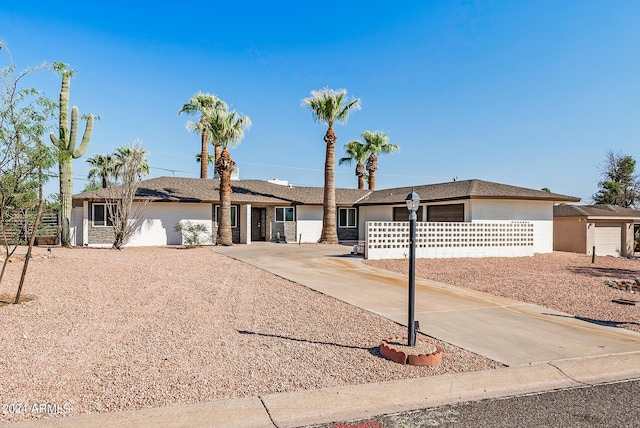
264	210
612	230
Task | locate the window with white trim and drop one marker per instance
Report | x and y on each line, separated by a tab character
347	217
101	214
285	214
234	215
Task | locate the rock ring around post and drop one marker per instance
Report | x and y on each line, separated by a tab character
425	353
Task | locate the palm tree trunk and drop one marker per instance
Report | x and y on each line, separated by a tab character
329	230
360	174
204	156
372	180
216	152
224	167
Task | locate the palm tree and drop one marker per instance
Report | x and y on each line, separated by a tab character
376	142
357	151
103	167
210	162
330	106
227	129
207	105
122	153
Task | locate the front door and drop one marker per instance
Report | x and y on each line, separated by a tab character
258	227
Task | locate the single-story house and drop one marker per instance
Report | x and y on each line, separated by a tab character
613	231
265	210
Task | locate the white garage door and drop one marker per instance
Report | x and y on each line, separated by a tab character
607	240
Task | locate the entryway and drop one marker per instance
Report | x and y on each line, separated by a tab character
258	224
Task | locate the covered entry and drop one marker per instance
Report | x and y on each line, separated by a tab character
258	224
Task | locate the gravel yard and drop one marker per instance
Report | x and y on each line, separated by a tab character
563	281
102	330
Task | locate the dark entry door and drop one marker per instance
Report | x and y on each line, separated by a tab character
258	226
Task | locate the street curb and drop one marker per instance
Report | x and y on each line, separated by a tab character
344	403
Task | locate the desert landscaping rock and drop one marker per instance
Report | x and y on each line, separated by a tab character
102	330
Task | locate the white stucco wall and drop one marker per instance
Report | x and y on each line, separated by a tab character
309	223
372	213
161	217
540	213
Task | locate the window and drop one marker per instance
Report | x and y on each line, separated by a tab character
445	213
402	214
234	215
284	214
102	215
346	217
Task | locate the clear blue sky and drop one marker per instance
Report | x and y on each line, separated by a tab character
528	93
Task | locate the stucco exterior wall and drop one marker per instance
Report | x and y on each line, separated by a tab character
157	225
570	234
540	213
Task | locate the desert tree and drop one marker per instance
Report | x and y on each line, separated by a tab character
124	208
356	151
619	184
228	130
330	106
208	106
24	159
376	142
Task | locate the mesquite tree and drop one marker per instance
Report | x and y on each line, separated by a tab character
23	158
67	150
125	212
620	184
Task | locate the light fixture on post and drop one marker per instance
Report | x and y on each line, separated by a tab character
413	202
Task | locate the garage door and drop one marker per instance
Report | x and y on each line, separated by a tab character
607	240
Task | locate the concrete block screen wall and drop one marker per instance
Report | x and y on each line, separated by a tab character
390	240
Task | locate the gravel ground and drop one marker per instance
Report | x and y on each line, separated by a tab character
563	281
102	330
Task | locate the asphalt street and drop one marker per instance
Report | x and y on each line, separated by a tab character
609	405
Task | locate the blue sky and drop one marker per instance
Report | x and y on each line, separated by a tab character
528	93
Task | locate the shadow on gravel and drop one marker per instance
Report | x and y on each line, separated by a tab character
600	272
373	351
620	324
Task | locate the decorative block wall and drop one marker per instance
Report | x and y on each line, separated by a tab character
390	240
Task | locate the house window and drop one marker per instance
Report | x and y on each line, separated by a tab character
285	214
346	217
445	213
402	214
102	215
234	215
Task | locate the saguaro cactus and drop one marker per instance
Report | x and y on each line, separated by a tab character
67	151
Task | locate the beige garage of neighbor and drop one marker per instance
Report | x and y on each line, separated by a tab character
611	230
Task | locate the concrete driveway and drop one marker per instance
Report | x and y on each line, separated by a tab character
502	329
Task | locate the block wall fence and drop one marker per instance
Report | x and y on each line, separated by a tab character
390	240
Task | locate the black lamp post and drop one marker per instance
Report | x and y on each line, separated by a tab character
413	202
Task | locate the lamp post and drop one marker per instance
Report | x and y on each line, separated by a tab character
413	202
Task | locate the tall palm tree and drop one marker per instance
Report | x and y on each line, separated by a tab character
103	167
122	153
227	129
210	161
208	106
376	142
356	151
329	106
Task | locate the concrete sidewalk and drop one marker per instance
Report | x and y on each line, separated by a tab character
544	349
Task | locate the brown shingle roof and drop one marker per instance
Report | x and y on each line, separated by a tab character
179	189
465	189
598	210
